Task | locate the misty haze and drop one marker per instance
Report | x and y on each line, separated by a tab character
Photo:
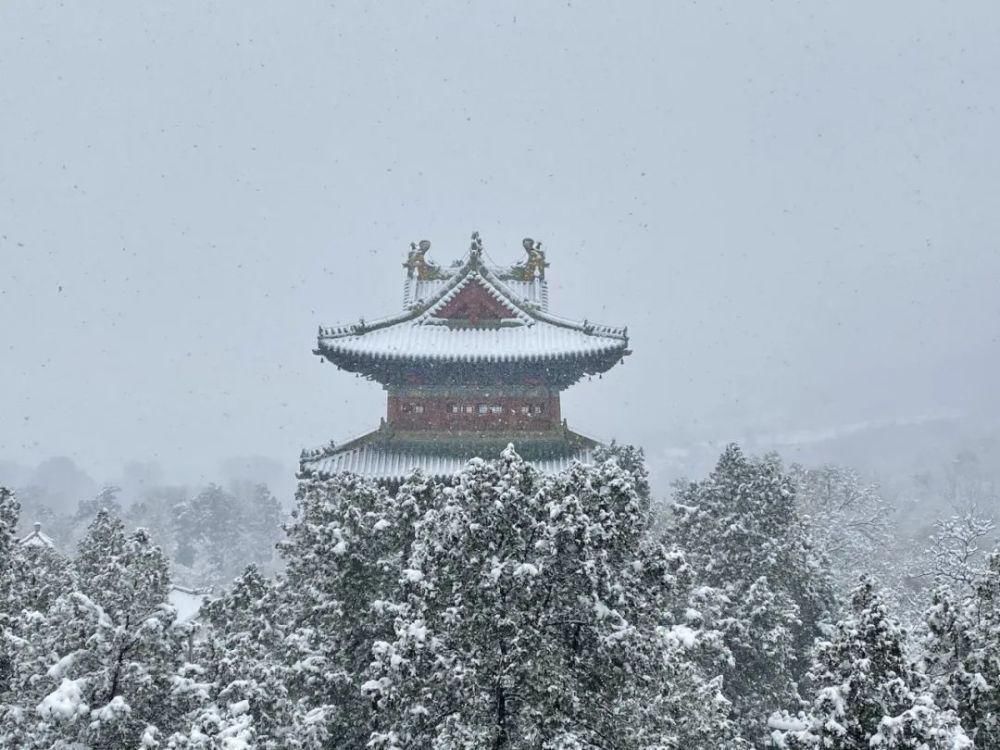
472	375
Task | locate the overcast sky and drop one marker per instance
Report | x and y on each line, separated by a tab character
793	207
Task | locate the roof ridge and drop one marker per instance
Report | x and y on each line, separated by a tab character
470	276
474	268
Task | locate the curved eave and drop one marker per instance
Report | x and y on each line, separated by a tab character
384	457
380	367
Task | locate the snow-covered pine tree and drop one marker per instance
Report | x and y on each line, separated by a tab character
962	653
263	518
96	669
240	689
12	571
345	547
47	575
630	458
210	728
740	530
220	531
106	499
11	560
867	695
154	510
536	612
217	527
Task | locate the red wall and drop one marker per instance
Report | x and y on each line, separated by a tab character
437	414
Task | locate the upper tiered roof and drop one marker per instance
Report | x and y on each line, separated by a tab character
477	315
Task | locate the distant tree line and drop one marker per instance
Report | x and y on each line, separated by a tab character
209	534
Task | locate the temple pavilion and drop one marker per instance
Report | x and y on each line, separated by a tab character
473	362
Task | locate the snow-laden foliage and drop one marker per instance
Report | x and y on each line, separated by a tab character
219	531
958	547
500	609
46	576
866	694
771	593
504	609
850	523
13	562
12	571
95	669
241	691
963	653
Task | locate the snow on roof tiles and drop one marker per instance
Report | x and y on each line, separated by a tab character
501	344
37	539
376	462
417	334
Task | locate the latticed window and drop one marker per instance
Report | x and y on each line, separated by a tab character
482	408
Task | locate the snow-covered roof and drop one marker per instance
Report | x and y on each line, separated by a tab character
386	464
528	334
37	539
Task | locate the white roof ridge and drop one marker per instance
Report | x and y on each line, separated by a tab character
586	326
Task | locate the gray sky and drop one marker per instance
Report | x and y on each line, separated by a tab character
793	206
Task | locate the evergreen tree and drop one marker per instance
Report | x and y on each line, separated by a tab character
46	576
741	532
963	653
10	559
12	571
244	678
263	518
220	531
155	510
501	609
867	694
216	513
630	458
536	612
106	499
341	565
96	669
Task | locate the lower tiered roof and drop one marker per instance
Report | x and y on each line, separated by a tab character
387	456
